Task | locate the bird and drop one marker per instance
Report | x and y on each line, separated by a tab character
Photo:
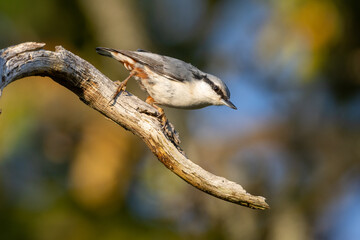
169	81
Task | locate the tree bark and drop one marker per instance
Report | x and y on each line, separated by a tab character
96	90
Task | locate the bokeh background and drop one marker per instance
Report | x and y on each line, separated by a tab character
293	68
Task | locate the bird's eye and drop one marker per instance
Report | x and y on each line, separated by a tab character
216	88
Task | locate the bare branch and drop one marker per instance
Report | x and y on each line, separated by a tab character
96	90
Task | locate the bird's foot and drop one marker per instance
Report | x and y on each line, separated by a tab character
162	118
119	90
161	114
166	126
121	87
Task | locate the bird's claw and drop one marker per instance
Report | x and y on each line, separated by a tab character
162	118
164	122
166	126
120	89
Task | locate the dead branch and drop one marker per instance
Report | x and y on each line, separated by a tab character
96	90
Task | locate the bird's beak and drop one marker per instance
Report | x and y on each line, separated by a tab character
229	104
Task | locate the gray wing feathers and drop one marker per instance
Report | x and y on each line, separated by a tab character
172	68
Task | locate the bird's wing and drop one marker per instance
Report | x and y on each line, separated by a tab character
172	68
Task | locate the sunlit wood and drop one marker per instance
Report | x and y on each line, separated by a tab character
96	90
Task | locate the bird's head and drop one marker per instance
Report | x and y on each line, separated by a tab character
215	90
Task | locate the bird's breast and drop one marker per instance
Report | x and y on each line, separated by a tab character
172	93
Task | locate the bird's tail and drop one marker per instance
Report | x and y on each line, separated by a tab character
113	53
105	51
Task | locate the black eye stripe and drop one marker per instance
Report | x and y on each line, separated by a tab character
214	87
204	77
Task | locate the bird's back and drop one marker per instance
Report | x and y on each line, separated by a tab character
172	68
